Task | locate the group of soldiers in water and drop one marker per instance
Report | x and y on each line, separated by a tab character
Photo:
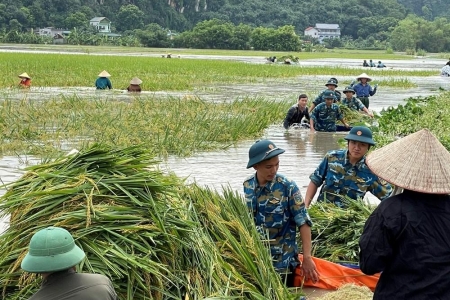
325	111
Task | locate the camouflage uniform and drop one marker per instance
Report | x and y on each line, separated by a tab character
278	209
321	99
354	103
340	177
325	117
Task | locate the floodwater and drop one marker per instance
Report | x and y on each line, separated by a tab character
218	169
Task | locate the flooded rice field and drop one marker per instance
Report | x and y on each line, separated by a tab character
228	168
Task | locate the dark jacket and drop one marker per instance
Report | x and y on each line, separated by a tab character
102	83
407	237
134	88
68	284
295	115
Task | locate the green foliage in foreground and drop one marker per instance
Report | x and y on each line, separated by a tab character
153	236
431	112
165	126
158	74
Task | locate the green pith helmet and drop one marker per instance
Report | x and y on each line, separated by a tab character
332	81
52	249
262	150
329	95
349	89
335	79
360	134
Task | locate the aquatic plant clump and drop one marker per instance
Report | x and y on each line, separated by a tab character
432	112
153	236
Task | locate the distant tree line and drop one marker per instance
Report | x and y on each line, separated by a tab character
230	24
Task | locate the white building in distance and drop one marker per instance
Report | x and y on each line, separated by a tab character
323	31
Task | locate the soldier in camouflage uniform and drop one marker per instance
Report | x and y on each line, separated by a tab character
354	103
278	209
331	85
345	173
323	117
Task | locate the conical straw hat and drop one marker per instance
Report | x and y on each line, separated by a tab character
24	75
364	75
135	80
417	162
104	74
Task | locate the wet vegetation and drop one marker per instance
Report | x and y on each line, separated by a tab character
178	126
431	112
153	236
160	74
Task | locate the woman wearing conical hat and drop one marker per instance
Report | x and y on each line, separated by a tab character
407	236
363	89
103	82
135	85
25	80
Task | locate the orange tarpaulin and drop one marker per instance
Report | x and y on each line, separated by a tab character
332	276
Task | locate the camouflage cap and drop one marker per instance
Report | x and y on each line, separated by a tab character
349	89
262	150
329	95
360	134
332	81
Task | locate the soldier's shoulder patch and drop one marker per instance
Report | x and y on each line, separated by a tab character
298	199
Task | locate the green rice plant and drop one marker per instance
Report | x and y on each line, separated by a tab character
353	117
337	230
60	70
153	236
421	52
404	83
178	126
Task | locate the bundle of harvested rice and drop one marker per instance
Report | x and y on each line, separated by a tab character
336	230
153	236
349	292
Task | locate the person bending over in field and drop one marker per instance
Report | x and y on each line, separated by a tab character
25	80
103	82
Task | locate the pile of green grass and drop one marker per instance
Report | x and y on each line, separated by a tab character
153	236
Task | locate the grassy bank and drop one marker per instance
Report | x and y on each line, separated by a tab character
158	74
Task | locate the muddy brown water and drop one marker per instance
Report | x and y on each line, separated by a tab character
228	168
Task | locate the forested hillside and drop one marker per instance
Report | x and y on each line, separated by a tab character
234	24
356	17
